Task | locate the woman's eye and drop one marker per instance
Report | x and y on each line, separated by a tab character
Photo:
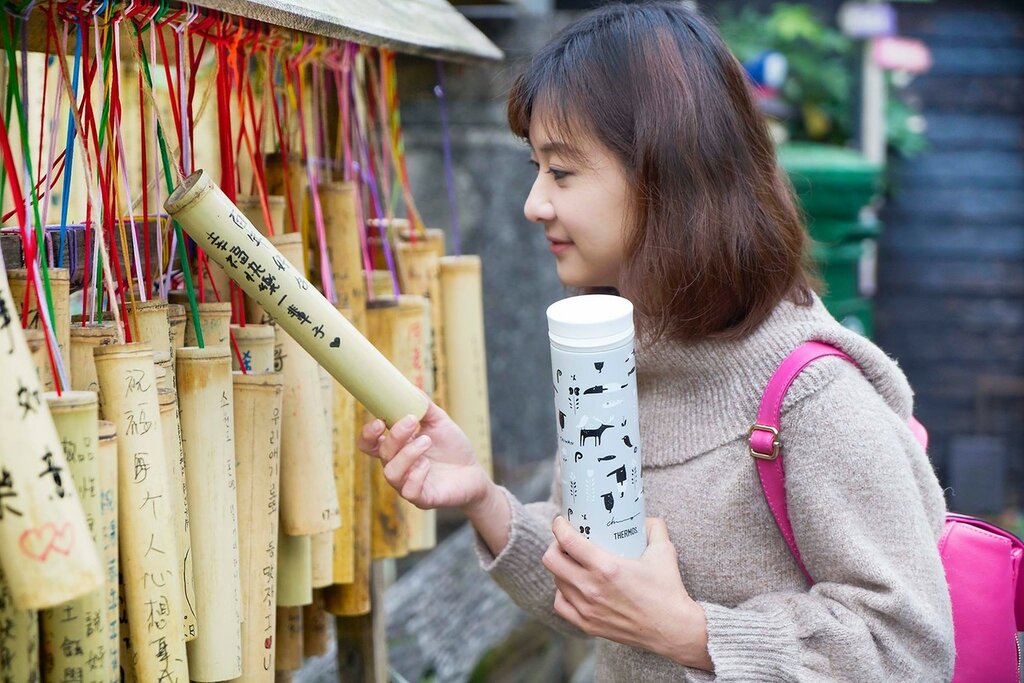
558	173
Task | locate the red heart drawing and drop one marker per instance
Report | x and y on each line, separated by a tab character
64	540
37	543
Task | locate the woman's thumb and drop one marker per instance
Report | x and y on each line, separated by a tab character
657	532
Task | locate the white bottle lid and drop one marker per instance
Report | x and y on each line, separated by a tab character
590	321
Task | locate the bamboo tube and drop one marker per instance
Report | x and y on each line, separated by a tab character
256	346
344	247
60	289
309	501
257	409
353	598
383	284
149	324
362	640
19	639
468	405
343	434
83	340
289	639
125	652
322	559
170	424
419	272
316	632
36	342
176	320
412	357
250	205
146	530
219	228
215	318
45	550
294	570
80	621
164	364
294	189
106	453
389	533
207	437
290	247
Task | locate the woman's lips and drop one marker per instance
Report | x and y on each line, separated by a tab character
558	247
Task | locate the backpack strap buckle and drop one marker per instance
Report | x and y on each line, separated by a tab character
759	439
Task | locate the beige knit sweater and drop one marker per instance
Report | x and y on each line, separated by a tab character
864	502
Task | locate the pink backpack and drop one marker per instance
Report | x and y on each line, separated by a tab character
981	560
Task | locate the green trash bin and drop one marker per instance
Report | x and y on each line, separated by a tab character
832	231
830	181
848	269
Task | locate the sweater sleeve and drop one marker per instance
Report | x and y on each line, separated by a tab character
518	568
867	511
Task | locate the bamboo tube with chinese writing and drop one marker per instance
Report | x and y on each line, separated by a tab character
207	438
106	453
222	230
60	290
288	651
164	371
19	639
250	206
344	248
294	189
412	356
343	436
36	341
289	245
46	552
322	544
294	570
389	533
353	598
468	406
257	407
74	635
170	424
125	652
419	272
147	539
255	346
316	632
83	340
215	318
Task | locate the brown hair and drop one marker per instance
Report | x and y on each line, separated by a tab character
713	221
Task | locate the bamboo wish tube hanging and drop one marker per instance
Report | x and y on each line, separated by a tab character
106	453
316	631
150	325
389	532
344	248
36	341
147	539
288	655
224	233
176	321
80	621
343	435
353	598
60	289
207	428
292	184
257	410
255	346
19	639
468	405
294	570
84	338
215	318
170	424
46	552
322	544
250	206
419	272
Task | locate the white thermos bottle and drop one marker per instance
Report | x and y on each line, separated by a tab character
594	377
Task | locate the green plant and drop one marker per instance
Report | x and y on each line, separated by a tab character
819	87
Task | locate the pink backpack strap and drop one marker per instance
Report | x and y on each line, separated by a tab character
766	442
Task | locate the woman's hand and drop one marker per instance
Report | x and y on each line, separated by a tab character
640	602
435	469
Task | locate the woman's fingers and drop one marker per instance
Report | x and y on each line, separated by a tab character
397	438
397	468
412	490
369	437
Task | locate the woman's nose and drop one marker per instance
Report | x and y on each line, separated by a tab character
538	207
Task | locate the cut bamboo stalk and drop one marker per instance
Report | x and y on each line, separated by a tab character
316	632
147	536
343	436
46	553
80	621
40	358
106	453
257	408
215	318
362	640
83	341
20	646
125	652
323	542
289	639
164	363
60	289
389	537
294	570
250	206
294	190
344	247
176	321
222	231
419	272
170	424
256	346
150	325
207	438
468	405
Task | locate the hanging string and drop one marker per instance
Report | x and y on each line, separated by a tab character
389	80
446	144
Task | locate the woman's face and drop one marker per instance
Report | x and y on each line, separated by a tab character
579	197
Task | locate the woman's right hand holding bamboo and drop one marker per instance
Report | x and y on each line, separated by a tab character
430	463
